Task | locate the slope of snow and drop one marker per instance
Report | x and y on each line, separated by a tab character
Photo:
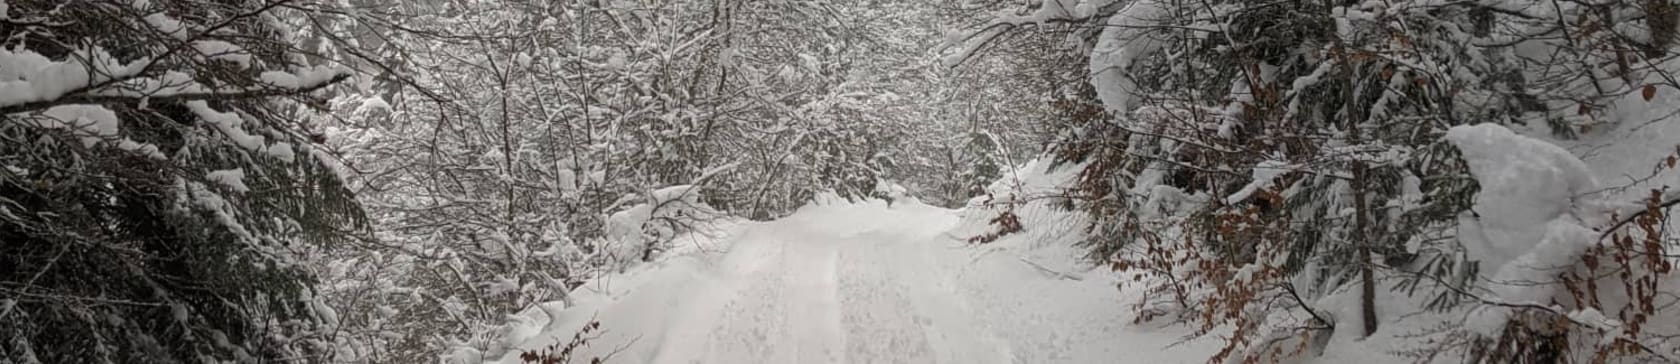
859	283
1038	296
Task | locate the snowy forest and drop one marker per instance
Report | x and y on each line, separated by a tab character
842	181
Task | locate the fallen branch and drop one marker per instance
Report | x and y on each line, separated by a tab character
1052	272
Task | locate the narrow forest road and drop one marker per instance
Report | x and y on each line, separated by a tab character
804	290
861	283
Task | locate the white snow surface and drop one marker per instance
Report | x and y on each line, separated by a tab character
1528	197
856	283
1528	216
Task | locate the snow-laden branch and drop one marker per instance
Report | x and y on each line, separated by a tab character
961	47
28	78
278	84
30	81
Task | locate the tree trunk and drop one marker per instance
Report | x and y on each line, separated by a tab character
1361	220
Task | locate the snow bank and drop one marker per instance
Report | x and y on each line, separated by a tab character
630	304
1035	290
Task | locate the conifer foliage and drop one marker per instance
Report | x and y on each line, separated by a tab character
157	192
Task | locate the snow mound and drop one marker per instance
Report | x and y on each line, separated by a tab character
1531	199
1526	224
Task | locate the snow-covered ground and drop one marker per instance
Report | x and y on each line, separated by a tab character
860	283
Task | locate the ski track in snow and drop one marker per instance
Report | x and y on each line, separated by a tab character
864	283
791	294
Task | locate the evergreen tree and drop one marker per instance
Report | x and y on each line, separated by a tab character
1258	155
158	187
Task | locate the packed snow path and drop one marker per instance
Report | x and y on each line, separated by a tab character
861	283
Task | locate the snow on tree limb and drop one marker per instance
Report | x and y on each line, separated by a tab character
29	78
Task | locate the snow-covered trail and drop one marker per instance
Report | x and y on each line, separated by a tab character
861	283
799	291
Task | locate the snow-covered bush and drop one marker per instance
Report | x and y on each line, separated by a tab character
1031	200
639	232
